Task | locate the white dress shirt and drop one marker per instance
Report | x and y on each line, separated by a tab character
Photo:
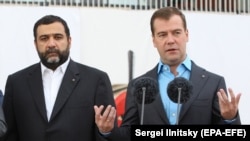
51	84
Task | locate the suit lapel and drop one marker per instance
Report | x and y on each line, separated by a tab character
36	86
69	82
158	102
159	108
198	78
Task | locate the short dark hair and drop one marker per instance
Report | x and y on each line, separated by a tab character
48	19
167	13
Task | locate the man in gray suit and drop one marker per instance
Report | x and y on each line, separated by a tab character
208	103
1	97
3	125
53	99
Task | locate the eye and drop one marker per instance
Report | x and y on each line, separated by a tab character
161	35
43	38
58	37
177	32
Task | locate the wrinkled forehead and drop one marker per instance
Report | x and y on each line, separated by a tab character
51	29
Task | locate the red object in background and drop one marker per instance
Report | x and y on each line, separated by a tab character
120	106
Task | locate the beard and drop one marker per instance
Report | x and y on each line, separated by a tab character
53	58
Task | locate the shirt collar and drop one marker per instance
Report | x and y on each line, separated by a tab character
62	67
186	63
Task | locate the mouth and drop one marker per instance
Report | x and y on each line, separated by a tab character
52	54
171	50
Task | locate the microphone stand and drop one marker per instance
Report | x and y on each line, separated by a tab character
178	106
143	103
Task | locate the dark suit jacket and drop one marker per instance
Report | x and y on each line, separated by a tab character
73	116
201	108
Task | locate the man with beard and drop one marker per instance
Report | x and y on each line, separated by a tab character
53	100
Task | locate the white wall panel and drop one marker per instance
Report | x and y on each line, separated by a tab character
102	38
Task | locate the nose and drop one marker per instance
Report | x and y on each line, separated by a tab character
51	42
170	39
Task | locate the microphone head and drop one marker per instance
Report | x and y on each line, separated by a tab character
186	89
151	89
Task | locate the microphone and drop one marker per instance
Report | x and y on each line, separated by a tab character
179	91
145	91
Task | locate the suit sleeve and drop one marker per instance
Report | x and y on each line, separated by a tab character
3	125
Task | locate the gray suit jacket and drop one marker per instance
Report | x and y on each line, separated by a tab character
73	116
3	125
202	108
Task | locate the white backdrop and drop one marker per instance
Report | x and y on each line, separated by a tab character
103	37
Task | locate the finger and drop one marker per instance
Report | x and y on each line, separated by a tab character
219	95
224	96
98	111
234	99
231	95
106	112
221	100
112	114
237	99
